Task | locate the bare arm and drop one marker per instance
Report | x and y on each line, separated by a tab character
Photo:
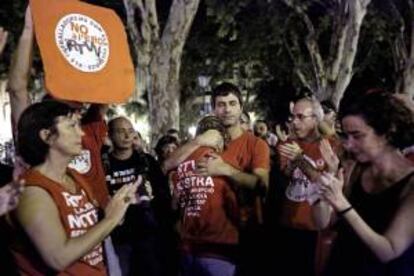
214	165
396	239
179	156
39	216
19	71
322	212
209	138
219	167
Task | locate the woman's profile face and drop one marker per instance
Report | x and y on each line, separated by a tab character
361	140
68	137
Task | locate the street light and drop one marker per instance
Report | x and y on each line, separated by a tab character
204	83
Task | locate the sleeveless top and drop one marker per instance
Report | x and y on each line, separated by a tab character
350	255
77	214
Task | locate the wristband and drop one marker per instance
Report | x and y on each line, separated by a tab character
344	211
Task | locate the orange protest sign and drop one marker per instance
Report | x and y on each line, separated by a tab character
84	51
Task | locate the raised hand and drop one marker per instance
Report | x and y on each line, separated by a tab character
212	165
119	203
331	189
330	157
290	151
281	134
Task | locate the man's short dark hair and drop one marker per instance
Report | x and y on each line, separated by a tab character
225	89
36	117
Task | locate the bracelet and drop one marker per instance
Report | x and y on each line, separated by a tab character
344	211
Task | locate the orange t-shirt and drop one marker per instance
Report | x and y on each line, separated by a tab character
248	152
89	162
208	204
77	214
296	211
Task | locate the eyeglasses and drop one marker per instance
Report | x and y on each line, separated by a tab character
300	117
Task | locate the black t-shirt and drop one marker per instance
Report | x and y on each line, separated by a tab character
143	219
121	172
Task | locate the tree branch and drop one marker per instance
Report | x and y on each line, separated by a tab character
131	25
400	50
357	11
411	7
296	58
312	46
151	10
338	39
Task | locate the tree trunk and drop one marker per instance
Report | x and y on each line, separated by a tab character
159	58
357	11
405	81
165	99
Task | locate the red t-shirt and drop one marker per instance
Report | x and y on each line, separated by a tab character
77	214
248	153
208	205
296	211
89	162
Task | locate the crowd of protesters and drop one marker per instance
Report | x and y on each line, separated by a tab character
324	193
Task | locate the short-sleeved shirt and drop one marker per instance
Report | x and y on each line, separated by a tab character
140	219
208	208
247	153
296	210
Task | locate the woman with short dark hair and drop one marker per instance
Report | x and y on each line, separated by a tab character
58	231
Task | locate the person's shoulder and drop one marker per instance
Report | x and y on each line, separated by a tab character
31	176
251	138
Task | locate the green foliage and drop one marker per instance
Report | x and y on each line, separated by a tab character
233	40
244	41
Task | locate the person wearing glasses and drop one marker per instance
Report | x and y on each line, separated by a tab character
301	161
